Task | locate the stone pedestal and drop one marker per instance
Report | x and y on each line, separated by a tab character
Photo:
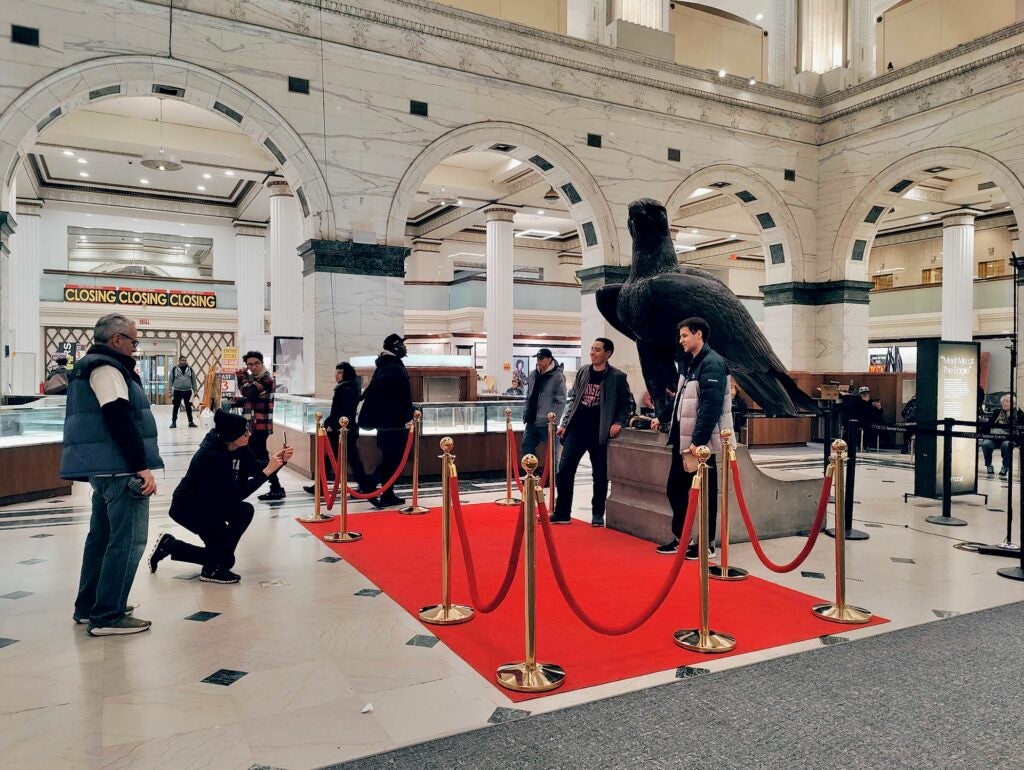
638	463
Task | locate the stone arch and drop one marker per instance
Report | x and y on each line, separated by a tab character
553	161
69	89
856	235
783	248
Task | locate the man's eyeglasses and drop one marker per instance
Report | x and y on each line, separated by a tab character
133	340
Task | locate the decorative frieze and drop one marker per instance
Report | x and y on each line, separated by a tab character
823	293
353	258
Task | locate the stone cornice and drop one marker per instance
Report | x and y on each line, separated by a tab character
353	258
593	278
823	293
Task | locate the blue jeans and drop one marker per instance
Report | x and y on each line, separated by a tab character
113	549
1005	449
533	437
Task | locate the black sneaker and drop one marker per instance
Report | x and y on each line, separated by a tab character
1003	471
388	501
192	425
219	576
125	624
161	550
174	425
597	521
670	547
560	520
692	555
273	494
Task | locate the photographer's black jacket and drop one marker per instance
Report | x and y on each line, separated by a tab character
218	479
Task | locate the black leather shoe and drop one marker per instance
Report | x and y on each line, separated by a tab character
273	494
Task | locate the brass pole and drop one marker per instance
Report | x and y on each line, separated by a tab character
839	611
318	483
722	570
703	639
508	499
343	535
415	508
529	675
551	462
446	613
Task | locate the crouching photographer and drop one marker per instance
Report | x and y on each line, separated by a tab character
210	500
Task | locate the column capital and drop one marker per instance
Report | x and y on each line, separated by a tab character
278	187
499	213
426	244
29	207
7	227
352	258
255	229
821	293
962	216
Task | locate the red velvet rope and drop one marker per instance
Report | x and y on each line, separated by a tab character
398	472
467	553
644	616
812	537
323	448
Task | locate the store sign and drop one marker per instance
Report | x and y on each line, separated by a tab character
121	295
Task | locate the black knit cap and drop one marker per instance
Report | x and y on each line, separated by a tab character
229	426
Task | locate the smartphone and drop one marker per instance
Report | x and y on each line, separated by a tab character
286	438
135	486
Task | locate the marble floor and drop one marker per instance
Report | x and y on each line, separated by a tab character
299	666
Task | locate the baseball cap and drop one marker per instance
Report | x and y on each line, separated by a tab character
863	389
391	340
543	353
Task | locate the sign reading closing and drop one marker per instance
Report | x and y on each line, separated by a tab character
121	295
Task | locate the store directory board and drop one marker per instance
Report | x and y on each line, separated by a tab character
947	386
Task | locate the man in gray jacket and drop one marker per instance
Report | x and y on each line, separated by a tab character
598	410
545	393
183	384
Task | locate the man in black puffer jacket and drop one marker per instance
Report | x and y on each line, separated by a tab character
387	406
210	500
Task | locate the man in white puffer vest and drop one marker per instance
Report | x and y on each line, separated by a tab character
702	408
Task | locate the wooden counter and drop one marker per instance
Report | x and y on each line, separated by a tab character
778	431
31	472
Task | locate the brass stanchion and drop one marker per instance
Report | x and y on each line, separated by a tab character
446	613
530	676
415	508
508	499
318	482
722	570
551	461
703	639
839	611
343	535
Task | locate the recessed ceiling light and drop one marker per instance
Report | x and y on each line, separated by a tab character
141	181
458	202
694	231
162	168
924	217
229	172
181	224
540	212
721	73
83	161
207	176
759	17
732	235
69	153
83	174
137	240
85	237
200	188
752	82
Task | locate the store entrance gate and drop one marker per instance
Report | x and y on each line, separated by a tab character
156	358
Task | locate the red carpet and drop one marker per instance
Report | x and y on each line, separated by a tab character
614	575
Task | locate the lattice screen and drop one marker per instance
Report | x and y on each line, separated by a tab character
200	348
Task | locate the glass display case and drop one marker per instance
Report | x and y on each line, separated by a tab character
453	417
38	422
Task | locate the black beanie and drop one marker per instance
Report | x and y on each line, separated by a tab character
229	426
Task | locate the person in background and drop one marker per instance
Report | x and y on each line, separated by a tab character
739	408
183	385
56	383
545	393
387	406
210	499
999	424
343	404
256	386
110	440
599	408
909	415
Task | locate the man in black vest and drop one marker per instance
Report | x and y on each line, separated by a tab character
110	440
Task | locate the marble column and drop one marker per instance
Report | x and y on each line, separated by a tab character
353	297
958	275
646	13
782	34
251	285
285	266
498	315
822	29
7	227
585	19
27	361
862	41
425	263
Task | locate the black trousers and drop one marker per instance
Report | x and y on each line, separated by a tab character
179	397
355	462
574	446
219	530
391	444
678	491
258	447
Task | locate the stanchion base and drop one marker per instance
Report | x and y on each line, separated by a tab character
342	537
413	510
851	534
716	572
709	642
841	614
508	501
453	614
1013	573
314	519
946	521
530	677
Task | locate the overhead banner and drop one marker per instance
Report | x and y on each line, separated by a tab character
122	295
